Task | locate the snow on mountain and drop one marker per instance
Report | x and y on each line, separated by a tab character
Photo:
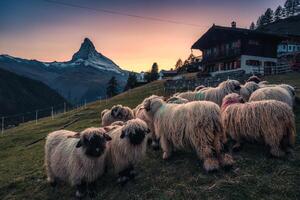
87	55
84	77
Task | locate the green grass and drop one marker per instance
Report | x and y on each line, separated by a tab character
255	175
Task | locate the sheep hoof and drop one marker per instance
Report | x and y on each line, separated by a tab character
166	155
132	174
277	153
79	195
53	184
92	194
211	165
237	147
123	180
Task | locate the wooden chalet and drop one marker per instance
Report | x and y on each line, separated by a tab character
227	49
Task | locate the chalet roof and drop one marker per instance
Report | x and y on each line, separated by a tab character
219	34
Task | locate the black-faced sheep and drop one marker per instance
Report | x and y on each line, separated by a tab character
116	113
269	121
248	89
76	158
127	148
194	125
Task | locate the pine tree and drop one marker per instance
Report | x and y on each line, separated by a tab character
178	64
278	13
154	72
131	81
112	87
252	26
259	22
269	16
289	7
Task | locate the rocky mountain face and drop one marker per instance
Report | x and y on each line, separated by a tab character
84	77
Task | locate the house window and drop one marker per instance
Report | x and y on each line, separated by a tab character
290	48
269	64
253	63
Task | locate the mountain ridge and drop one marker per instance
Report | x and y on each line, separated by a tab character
83	78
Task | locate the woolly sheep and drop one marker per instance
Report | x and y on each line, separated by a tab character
272	93
248	89
177	100
116	113
141	114
195	125
254	78
127	148
213	94
270	121
76	158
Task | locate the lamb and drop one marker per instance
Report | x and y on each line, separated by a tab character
213	94
141	114
248	89
76	158
127	148
177	100
116	113
194	125
272	93
270	121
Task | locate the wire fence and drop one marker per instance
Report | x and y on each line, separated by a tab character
11	121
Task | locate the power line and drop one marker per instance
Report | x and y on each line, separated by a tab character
124	14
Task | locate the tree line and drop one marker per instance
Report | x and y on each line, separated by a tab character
290	8
132	82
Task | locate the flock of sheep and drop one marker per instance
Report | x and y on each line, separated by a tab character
204	121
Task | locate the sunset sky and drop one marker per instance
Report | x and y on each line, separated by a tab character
37	29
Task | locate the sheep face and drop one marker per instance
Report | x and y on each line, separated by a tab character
93	144
231	99
116	112
135	131
254	79
235	86
152	105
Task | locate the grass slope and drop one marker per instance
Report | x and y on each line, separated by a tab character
255	175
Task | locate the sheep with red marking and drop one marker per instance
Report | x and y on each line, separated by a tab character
269	121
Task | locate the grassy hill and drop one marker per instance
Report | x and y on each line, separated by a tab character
255	175
19	94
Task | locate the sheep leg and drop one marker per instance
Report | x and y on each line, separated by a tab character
236	146
166	147
81	190
210	163
276	151
92	189
125	175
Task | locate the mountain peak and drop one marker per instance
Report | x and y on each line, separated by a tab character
87	48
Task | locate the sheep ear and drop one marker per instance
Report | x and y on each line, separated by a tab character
79	144
109	128
107	137
123	134
77	135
